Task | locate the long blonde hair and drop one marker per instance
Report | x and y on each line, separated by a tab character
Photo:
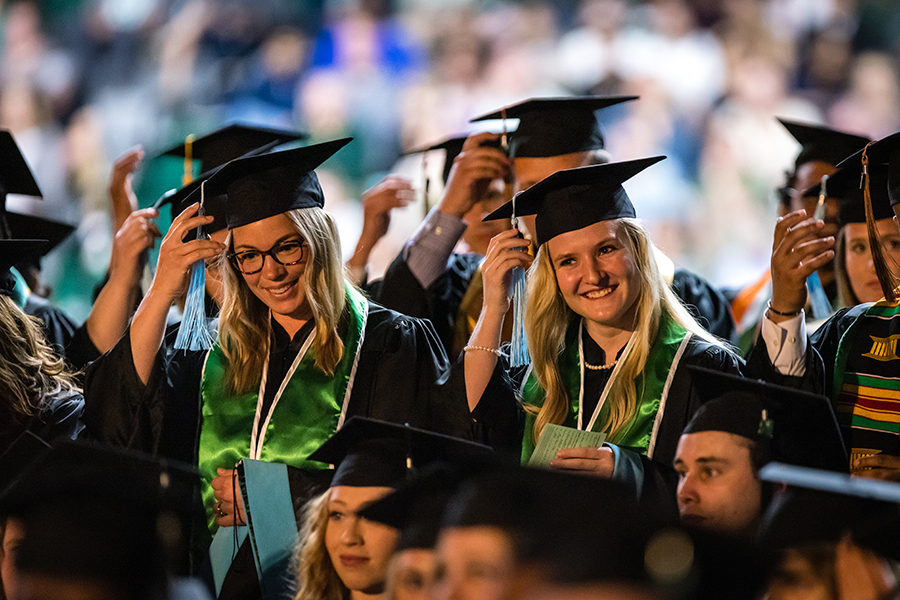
30	372
316	578
548	317
244	323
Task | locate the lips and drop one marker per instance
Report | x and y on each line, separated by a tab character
351	560
692	519
282	290
598	294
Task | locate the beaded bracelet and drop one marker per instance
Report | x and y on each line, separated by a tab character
484	349
784	314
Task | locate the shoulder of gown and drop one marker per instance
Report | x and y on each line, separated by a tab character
705	303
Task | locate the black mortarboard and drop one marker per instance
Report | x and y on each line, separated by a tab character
416	507
33	227
823	506
93	512
15	177
453	146
576	527
823	144
372	453
555	126
13	252
843	185
228	143
797	427
572	199
258	187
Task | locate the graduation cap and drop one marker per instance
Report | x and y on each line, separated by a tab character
92	512
555	126
822	144
15	177
823	506
372	453
572	199
262	186
13	252
794	426
575	527
228	143
23	226
843	185
452	146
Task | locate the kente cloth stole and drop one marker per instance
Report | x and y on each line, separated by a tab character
313	407
652	386
470	310
867	382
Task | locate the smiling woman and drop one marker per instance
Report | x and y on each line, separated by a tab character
299	349
607	336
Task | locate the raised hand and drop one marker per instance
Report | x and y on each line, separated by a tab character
473	171
121	193
797	252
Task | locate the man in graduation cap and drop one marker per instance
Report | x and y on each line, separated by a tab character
553	134
821	149
741	426
854	352
428	279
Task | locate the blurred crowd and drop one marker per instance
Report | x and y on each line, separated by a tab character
81	81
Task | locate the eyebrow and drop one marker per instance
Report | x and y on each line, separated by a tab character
600	244
280	240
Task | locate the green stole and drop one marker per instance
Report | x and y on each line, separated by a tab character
866	388
315	407
639	434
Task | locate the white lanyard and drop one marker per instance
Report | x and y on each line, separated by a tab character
609	383
256	441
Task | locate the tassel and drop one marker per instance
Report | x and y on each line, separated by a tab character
818	299
193	334
518	351
886	279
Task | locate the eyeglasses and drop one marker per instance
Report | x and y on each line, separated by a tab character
252	261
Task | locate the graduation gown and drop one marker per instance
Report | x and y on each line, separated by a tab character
501	421
67	339
60	419
440	302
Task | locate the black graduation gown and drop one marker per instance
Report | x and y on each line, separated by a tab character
67	339
500	420
59	419
401	291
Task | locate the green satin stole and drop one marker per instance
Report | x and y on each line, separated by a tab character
313	410
639	434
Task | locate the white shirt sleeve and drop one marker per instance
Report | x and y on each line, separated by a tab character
428	250
786	344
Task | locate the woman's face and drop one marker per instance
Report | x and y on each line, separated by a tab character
280	287
12	536
474	563
414	572
796	578
858	257
360	550
597	274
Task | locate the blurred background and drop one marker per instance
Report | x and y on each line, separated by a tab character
82	81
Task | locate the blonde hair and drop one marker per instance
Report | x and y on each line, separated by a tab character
548	317
244	323
30	372
316	577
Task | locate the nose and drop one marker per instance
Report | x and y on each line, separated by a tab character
592	272
687	492
272	269
350	534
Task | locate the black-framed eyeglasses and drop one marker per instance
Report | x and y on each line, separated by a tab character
252	261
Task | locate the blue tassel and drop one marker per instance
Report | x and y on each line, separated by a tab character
518	351
193	334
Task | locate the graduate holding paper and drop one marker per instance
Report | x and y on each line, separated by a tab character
607	337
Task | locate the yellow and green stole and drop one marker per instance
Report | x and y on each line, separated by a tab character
652	386
867	382
313	409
